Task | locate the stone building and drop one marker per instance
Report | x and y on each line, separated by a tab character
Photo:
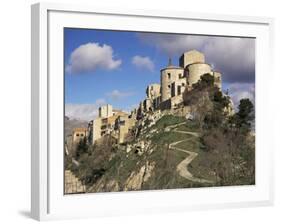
153	97
123	125
79	134
175	79
105	111
172	81
196	70
109	121
191	57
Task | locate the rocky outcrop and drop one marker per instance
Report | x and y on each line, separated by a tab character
136	179
139	147
72	184
104	186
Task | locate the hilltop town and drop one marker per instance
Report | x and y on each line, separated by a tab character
177	134
168	95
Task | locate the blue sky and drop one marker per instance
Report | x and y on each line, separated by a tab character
85	87
115	66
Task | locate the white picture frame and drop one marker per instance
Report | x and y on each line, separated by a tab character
48	201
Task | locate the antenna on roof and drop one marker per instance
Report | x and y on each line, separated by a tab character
170	61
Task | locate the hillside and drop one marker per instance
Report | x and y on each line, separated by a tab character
171	149
151	165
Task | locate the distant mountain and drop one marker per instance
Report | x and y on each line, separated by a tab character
70	124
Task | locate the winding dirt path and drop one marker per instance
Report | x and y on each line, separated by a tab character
182	166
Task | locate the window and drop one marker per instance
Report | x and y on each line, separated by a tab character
169	86
182	84
179	90
77	135
82	135
173	89
169	75
180	75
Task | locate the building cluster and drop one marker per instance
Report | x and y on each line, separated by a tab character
109	121
174	80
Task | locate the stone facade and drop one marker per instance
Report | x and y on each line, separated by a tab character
96	129
196	70
79	134
153	97
153	91
191	57
123	125
169	76
218	81
105	111
118	124
175	80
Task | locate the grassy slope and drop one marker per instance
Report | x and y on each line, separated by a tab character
164	175
200	166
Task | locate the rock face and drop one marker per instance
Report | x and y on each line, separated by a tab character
72	184
103	186
136	179
134	182
140	147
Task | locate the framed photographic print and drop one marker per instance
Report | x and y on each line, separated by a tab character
148	111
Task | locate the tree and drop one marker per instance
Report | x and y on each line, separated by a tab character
246	109
82	147
207	102
202	108
245	115
206	81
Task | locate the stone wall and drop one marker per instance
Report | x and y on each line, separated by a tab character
105	111
96	129
79	134
195	71
72	184
191	57
169	75
217	78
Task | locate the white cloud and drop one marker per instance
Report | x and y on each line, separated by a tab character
238	91
100	102
130	108
143	63
117	94
172	44
85	112
90	57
